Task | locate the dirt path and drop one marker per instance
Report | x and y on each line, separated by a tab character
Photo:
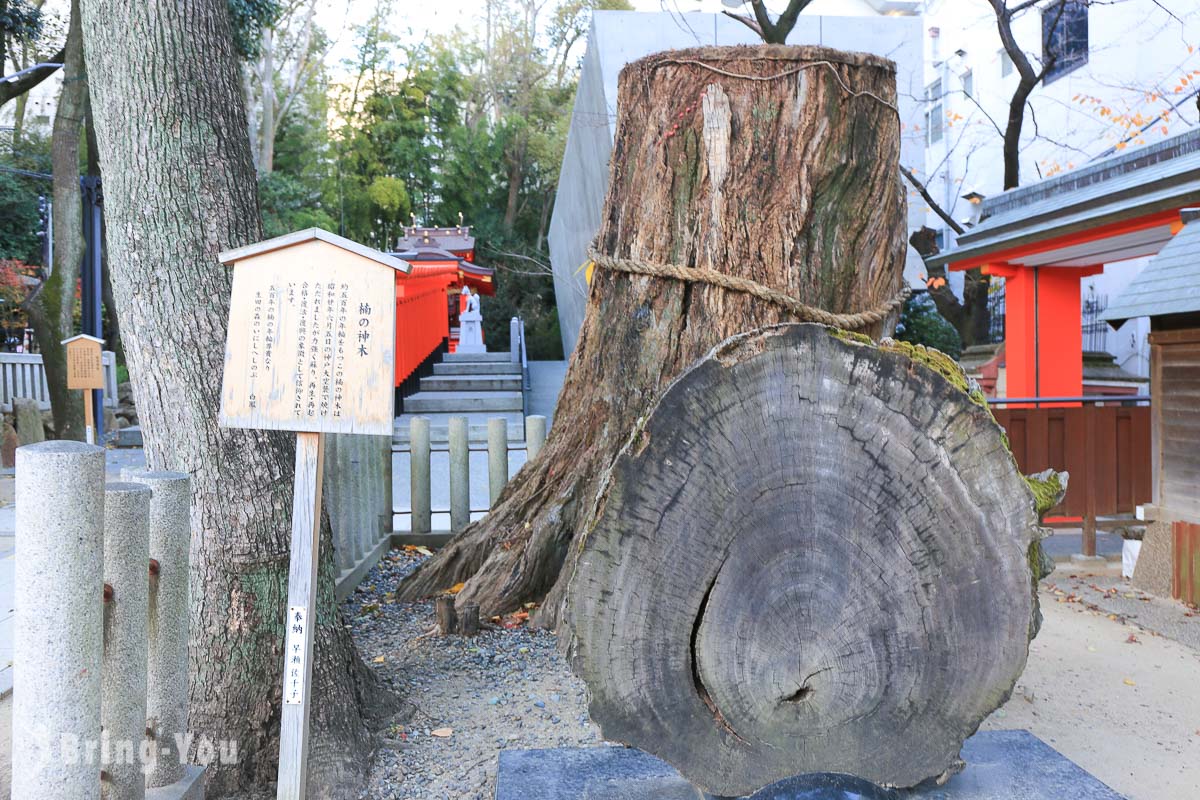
1126	711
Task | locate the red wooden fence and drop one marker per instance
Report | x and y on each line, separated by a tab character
422	321
1106	449
1185	582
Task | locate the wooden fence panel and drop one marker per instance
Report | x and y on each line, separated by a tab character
1185	583
1106	449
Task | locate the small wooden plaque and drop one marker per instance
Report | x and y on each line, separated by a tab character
84	370
312	329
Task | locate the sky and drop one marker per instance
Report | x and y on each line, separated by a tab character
339	17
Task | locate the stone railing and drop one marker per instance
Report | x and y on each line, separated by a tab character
100	676
22	375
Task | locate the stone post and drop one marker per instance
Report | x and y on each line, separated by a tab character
30	428
514	340
167	620
460	474
59	629
123	674
535	435
497	458
418	473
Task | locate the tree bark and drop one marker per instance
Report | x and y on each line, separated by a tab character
791	181
51	307
180	187
813	555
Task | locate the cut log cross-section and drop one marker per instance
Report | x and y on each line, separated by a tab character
813	555
772	164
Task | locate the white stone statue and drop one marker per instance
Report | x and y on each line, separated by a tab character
470	322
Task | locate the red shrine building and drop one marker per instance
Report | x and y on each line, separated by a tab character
429	298
1042	239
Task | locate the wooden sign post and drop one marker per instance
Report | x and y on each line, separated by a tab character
310	349
85	371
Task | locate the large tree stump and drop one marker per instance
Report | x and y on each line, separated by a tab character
777	164
813	555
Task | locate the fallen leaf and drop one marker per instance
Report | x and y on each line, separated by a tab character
380	659
1129	682
456	588
442	733
423	550
1133	640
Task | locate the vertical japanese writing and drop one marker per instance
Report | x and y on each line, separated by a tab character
314	349
343	310
364	328
327	347
256	324
271	322
295	653
299	301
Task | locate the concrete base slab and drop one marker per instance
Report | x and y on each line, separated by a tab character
1080	558
189	787
1001	765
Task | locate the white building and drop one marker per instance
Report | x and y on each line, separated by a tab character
1125	76
883	27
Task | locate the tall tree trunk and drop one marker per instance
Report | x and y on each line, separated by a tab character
180	187
51	308
790	180
266	79
515	176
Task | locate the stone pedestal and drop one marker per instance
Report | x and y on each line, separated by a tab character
1001	765
470	333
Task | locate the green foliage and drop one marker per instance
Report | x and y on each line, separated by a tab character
250	18
20	220
289	204
431	127
920	323
20	21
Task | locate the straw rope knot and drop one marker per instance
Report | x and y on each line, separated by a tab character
801	310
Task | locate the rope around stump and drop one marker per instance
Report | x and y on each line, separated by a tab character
801	310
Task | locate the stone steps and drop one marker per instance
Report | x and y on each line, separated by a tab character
476	368
463	402
459	358
471	383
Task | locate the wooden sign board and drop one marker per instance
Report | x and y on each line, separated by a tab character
312	335
84	370
310	348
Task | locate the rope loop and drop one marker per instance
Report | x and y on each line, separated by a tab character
801	310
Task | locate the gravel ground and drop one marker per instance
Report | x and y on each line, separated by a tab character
464	699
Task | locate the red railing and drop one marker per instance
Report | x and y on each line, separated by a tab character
422	323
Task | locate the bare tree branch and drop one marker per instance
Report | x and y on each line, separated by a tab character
933	204
11	87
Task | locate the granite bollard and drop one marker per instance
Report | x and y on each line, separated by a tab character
535	435
59	629
497	458
123	674
460	474
419	475
167	620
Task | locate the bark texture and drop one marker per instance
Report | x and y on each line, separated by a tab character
786	174
51	307
179	188
812	556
